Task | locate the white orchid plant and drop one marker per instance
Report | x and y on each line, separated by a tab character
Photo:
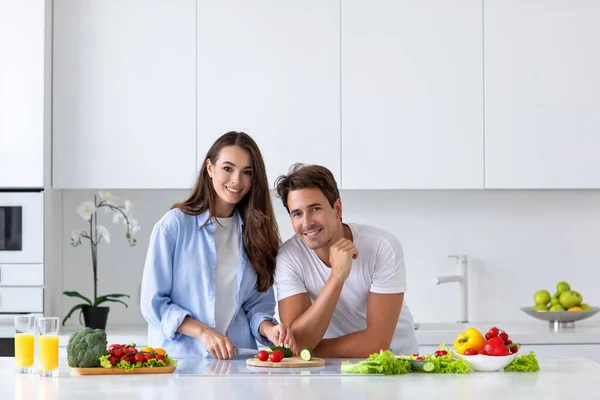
88	210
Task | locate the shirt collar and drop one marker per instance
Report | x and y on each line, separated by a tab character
203	218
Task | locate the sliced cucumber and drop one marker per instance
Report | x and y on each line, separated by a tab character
306	354
422	366
286	352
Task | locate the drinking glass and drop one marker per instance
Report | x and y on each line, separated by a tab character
24	343
48	346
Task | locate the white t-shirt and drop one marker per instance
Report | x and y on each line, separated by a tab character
379	268
227	244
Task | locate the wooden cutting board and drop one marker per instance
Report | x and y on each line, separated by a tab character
287	362
120	371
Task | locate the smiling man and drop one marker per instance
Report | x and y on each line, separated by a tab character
339	285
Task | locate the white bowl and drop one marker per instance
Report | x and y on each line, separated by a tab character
483	363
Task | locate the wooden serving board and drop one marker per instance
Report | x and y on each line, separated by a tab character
287	362
120	371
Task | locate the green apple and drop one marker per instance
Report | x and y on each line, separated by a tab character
579	296
557	307
540	307
585	307
541	297
554	300
562	287
569	299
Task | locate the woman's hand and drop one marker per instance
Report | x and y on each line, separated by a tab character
219	346
279	335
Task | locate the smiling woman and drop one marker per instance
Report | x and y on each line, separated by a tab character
207	283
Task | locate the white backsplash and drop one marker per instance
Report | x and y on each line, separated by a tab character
517	242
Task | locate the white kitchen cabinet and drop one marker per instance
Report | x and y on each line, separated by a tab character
541	94
272	70
22	66
412	94
21	299
124	94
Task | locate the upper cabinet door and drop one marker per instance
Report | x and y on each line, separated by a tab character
124	94
22	58
542	85
272	70
412	94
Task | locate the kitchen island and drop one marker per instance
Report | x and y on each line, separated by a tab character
568	378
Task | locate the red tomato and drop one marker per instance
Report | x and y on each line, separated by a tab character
113	347
420	358
514	349
504	336
276	356
148	356
493	332
470	352
263	355
160	357
125	358
139	358
113	361
118	353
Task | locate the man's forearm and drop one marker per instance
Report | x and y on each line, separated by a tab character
360	344
310	327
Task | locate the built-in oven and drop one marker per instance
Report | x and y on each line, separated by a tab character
21	259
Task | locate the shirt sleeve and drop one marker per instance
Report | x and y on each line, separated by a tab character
288	280
260	307
389	274
157	279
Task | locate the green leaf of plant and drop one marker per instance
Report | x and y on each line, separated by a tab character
75	308
77	294
107	297
113	300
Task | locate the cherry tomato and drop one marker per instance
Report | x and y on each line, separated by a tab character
420	358
276	356
470	352
139	358
487	336
508	341
118	353
160	357
113	361
263	355
504	336
514	349
493	332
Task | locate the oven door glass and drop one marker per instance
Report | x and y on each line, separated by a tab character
11	228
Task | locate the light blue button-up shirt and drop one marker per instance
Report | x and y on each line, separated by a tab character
179	280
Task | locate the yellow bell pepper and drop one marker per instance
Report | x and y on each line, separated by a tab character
160	351
469	339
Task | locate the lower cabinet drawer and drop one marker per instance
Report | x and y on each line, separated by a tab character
21	299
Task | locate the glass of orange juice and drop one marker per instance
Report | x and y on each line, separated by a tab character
24	343
48	346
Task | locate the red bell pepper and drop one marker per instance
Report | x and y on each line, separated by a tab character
494	347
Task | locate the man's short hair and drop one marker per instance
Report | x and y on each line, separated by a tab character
301	176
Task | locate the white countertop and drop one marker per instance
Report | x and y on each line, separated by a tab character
558	379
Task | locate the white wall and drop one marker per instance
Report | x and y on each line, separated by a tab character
517	242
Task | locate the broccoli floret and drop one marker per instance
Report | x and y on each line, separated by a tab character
85	348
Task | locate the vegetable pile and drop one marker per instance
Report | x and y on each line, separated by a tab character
495	343
129	357
87	348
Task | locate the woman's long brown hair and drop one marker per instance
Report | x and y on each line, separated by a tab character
260	235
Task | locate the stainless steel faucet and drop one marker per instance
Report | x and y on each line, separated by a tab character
462	279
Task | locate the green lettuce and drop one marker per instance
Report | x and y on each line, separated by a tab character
384	362
524	363
446	365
